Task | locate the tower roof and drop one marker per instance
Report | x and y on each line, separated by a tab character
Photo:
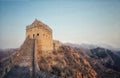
39	23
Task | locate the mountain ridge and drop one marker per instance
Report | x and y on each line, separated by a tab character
77	62
91	46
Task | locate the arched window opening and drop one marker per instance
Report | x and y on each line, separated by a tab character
37	34
33	35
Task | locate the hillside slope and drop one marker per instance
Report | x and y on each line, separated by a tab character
67	63
105	62
23	61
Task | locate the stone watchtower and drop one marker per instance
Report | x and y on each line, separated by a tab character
43	35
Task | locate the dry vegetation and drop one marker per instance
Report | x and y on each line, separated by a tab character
67	63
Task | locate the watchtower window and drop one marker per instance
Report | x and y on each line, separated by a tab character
37	34
33	35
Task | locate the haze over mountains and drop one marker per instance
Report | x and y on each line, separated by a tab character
91	46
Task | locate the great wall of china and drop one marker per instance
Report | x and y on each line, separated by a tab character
24	62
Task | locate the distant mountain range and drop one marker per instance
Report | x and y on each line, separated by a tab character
91	46
105	61
6	52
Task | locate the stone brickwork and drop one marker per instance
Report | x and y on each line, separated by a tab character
24	63
43	35
56	44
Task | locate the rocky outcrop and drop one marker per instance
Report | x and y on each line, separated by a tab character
105	62
67	63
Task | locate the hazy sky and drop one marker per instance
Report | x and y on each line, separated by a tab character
76	21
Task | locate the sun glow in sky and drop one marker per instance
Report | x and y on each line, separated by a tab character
76	21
